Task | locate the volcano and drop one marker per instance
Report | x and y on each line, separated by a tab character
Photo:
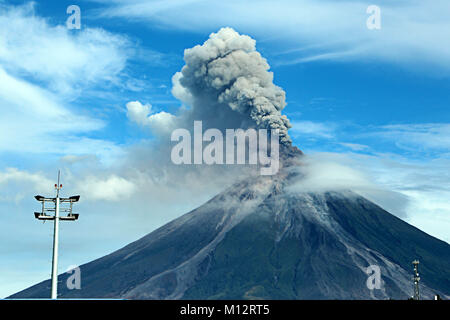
259	239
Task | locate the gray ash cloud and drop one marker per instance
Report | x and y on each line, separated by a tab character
227	84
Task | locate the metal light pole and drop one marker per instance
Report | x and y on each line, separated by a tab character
56	217
55	244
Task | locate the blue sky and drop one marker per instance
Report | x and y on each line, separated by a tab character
375	101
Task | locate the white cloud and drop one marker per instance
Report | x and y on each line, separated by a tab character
143	116
418	192
354	146
422	136
64	59
323	172
413	33
180	92
309	128
34	120
36	180
111	188
28	106
42	68
72	159
432	210
17	184
320	173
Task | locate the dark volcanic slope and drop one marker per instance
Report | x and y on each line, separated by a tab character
258	240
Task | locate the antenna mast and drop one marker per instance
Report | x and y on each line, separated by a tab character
416	280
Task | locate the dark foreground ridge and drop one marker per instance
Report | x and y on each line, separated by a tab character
263	239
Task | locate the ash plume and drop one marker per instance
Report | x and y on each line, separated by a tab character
227	84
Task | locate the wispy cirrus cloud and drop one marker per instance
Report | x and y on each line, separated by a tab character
35	120
305	129
413	33
419	137
43	68
61	59
430	139
354	146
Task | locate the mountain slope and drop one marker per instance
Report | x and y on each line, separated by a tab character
259	240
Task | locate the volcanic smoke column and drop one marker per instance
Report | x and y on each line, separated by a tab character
227	84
